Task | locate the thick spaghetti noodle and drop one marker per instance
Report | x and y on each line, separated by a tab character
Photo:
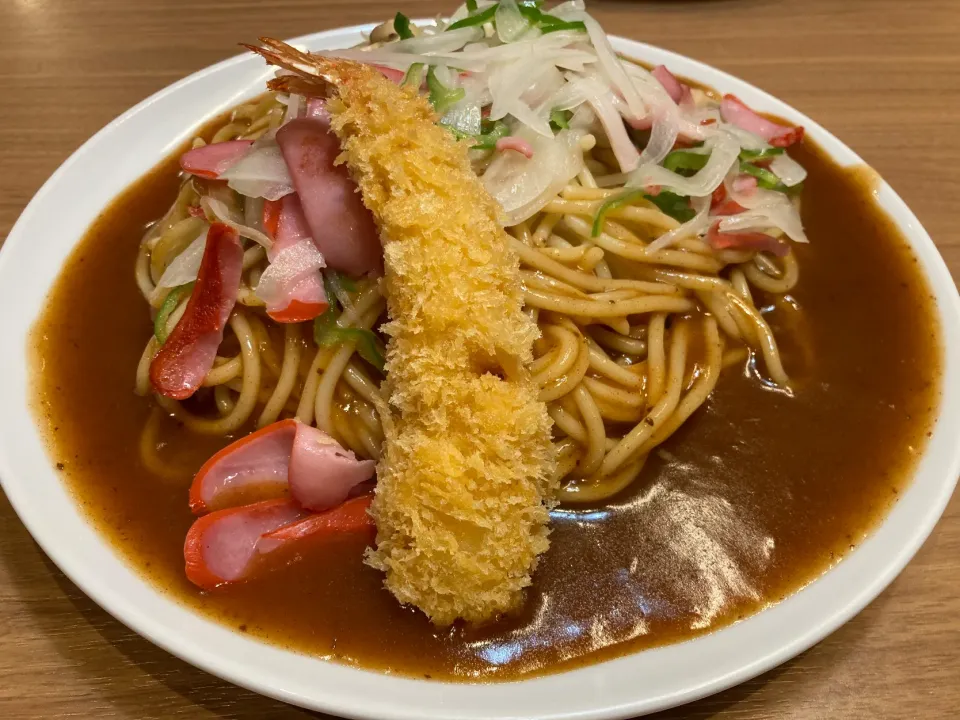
633	337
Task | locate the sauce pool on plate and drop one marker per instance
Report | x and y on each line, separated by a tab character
754	497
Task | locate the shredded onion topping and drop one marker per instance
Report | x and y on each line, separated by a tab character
515	75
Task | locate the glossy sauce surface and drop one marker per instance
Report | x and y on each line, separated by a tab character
754	497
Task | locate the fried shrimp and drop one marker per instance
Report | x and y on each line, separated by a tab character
467	468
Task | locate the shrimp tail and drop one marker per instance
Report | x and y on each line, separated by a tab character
315	72
296	85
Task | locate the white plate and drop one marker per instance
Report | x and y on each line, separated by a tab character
651	680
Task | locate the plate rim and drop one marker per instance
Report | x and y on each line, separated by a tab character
443	696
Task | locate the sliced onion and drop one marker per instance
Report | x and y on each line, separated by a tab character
784	217
523	186
686	118
294	103
221	212
185	266
533	120
506	88
463	12
600	98
694	226
287	267
662	139
764	209
253	212
476	89
747	140
445	42
744	221
610	64
566	10
567	96
584	118
552	47
612	180
570	59
511	25
637	123
460	13
724	152
789	171
650	90
476	47
402	61
464	118
700	114
466	115
547	82
262	172
446	77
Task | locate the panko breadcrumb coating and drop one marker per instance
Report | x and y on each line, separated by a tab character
468	463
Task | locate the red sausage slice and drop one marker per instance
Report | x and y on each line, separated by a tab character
319	472
210	161
186	357
222	548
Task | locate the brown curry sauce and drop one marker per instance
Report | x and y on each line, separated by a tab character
753	498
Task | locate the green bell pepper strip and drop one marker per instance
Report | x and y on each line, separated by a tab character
481	18
441	97
676	206
401	26
327	333
166	309
765	178
765	154
560	119
684	160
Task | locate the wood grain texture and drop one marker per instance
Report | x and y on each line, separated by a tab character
883	75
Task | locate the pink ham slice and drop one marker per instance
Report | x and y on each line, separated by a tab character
746	241
322	472
675	89
679	92
210	161
391	74
228	546
291	286
317	108
745	184
318	472
186	357
722	204
515	143
291	223
735	112
222	548
644	123
341	227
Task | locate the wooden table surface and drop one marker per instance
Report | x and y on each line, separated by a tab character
883	75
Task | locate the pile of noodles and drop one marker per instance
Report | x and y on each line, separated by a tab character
634	336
